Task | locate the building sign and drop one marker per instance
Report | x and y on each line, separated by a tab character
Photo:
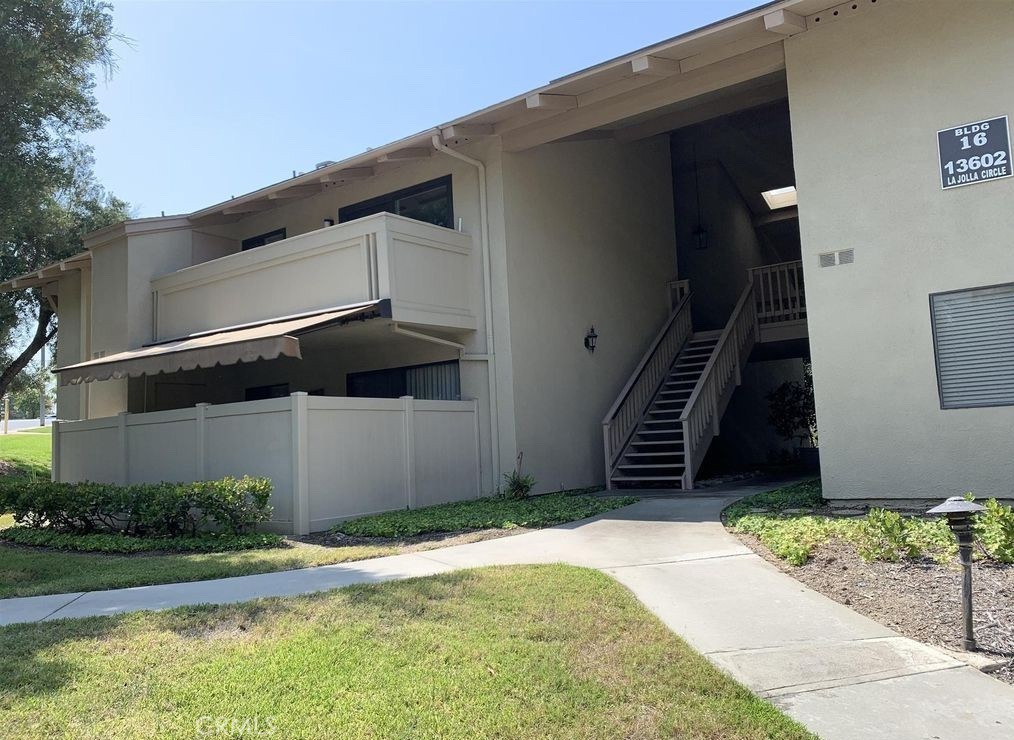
974	152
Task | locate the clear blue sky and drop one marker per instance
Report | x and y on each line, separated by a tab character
213	99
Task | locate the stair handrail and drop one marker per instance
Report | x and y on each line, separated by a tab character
625	414
723	366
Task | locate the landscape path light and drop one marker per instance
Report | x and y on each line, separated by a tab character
959	518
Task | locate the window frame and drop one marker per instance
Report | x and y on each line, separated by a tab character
403	368
396	195
936	349
246	245
269	390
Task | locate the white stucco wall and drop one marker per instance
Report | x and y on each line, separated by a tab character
867	96
590	241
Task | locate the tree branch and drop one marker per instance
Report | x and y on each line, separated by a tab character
43	334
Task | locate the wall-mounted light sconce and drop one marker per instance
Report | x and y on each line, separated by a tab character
328	222
590	339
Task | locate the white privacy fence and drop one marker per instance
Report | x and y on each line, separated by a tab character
329	458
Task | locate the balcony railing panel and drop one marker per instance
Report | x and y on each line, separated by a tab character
425	271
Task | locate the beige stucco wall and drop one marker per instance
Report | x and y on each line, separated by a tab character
109	322
867	95
306	214
125	264
69	342
589	228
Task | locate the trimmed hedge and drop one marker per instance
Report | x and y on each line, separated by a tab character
230	505
127	544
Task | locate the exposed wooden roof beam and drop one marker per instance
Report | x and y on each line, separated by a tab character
295	192
654	66
405	155
784	22
699	113
727	51
467	131
782	214
544	101
352	173
664	91
253	206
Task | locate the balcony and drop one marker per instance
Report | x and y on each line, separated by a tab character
425	271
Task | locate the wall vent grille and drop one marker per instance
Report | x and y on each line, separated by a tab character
838	12
841	257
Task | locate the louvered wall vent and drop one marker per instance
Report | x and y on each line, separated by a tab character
841	257
973	334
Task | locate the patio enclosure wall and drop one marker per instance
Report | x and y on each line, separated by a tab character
329	458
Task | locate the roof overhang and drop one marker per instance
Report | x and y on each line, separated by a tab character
724	54
47	274
266	340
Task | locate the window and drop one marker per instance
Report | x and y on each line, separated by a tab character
261	239
973	337
262	392
429	202
437	381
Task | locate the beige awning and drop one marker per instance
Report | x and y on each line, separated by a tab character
249	343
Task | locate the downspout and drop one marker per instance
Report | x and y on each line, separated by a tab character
487	279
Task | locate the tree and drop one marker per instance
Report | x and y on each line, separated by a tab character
24	392
50	51
53	230
791	409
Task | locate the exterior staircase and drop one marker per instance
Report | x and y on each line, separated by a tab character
655	456
659	428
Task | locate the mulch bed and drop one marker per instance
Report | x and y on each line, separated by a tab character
918	599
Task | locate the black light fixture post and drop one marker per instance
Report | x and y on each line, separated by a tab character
959	519
590	340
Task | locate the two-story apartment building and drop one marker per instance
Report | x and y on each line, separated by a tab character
606	274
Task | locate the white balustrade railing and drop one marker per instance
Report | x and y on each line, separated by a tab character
704	408
622	419
779	292
678	290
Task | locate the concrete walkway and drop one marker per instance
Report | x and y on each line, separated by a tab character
839	673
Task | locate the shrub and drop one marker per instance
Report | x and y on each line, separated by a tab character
232	505
791	410
884	535
516	484
994	528
805	495
122	543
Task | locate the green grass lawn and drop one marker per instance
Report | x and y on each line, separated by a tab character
30	572
480	653
29	453
484	513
